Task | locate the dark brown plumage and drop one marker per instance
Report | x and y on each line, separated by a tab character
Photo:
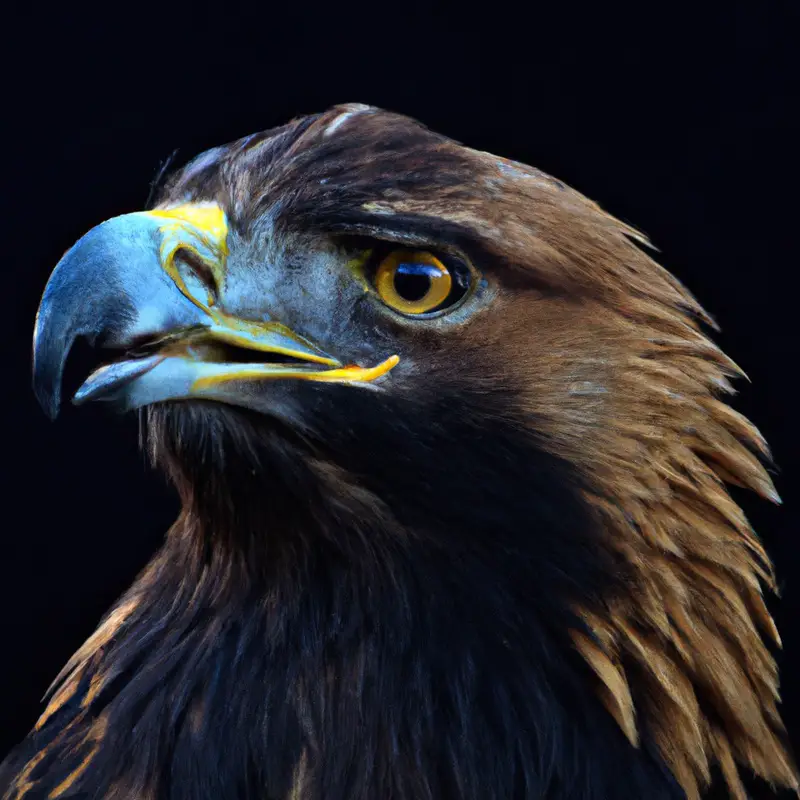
508	568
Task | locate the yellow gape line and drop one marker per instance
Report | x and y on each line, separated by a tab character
351	374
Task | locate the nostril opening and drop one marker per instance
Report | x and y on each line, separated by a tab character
197	276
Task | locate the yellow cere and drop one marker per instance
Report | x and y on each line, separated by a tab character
200	228
350	374
207	217
393	266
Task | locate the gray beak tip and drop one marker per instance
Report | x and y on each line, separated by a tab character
50	403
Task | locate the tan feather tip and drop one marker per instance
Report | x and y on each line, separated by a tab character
766	488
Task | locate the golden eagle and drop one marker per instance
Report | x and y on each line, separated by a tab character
452	462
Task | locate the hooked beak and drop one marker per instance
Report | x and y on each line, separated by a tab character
147	284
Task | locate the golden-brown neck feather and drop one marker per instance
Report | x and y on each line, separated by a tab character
623	382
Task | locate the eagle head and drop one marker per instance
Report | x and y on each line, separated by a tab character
452	455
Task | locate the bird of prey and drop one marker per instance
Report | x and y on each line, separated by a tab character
452	452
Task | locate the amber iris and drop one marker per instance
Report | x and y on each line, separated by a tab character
413	282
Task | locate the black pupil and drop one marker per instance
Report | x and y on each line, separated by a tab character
413	281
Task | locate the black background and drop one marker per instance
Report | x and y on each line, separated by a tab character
681	122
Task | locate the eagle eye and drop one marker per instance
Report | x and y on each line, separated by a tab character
416	282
